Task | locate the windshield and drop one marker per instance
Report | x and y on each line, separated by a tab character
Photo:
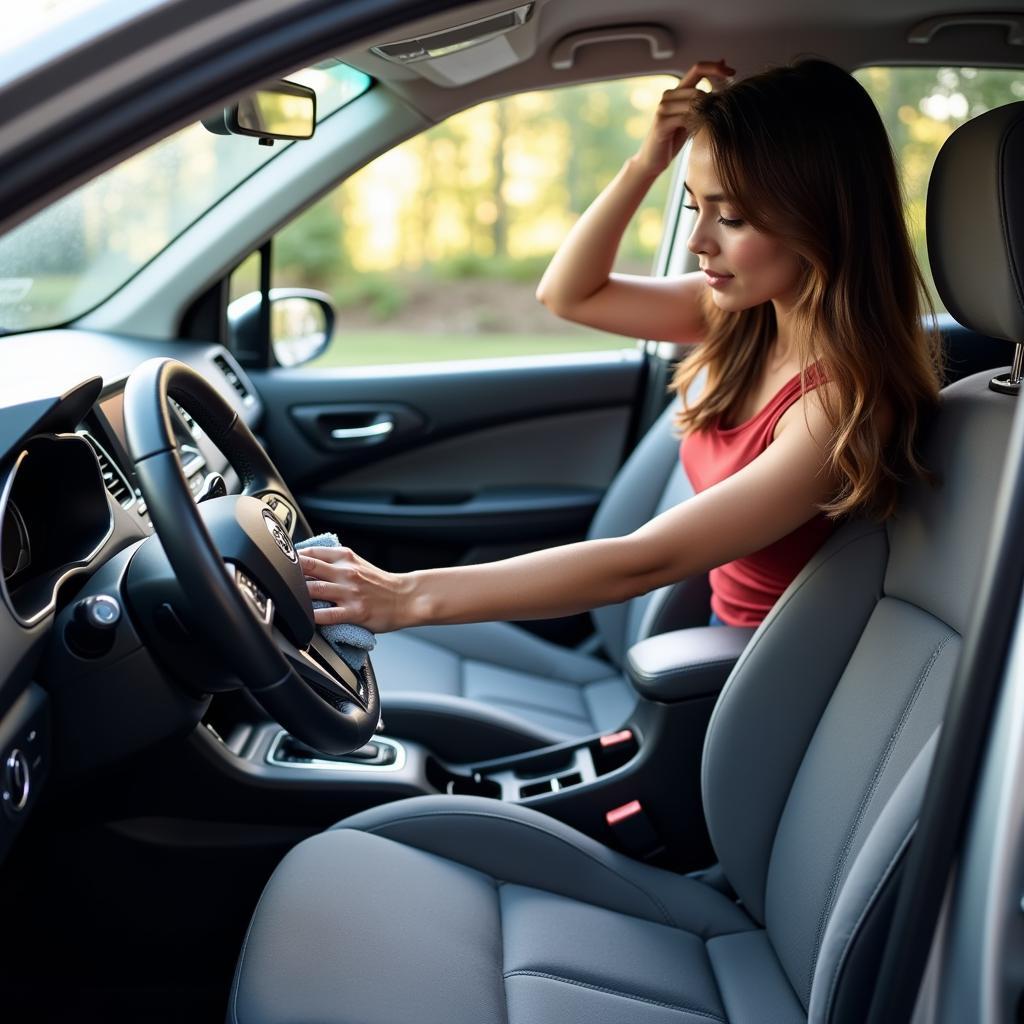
73	255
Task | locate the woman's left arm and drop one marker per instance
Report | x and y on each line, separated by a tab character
761	503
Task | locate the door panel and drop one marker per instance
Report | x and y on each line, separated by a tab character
482	459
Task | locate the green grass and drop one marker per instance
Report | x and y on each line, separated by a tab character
375	348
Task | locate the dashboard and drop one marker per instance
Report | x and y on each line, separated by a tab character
71	513
54	504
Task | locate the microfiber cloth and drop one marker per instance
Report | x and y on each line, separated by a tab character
353	643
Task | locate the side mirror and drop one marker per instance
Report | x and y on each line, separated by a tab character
277	110
301	323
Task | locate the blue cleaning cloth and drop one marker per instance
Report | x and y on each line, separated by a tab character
353	643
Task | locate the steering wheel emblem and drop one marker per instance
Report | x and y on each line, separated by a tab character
280	535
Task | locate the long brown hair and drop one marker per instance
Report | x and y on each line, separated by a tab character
804	156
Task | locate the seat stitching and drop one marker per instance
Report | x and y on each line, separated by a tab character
712	972
501	945
886	875
872	787
615	992
667	917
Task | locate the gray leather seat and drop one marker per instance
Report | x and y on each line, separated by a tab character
459	909
488	689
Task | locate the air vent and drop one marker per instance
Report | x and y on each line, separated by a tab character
231	374
113	479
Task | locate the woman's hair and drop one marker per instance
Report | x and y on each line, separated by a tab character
803	155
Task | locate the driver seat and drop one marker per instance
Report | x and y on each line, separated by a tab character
459	910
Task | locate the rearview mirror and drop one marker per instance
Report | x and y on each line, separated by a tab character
277	110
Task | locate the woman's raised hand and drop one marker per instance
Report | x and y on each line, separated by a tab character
671	123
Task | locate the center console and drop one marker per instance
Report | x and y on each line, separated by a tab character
636	788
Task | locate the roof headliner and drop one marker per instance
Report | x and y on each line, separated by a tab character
748	33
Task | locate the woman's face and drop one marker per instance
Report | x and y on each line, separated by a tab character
743	267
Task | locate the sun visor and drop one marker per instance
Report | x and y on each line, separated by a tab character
465	53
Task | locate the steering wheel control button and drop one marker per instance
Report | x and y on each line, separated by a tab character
282	510
255	596
17	782
280	535
92	628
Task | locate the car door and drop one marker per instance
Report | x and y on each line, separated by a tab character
453	419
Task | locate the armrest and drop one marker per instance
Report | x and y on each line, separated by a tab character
685	663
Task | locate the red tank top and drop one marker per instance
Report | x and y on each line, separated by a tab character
743	591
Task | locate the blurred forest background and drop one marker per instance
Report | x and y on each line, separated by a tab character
434	250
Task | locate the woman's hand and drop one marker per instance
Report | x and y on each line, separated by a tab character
672	119
360	593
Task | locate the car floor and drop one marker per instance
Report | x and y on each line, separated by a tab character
110	929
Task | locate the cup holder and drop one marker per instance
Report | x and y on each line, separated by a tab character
538	774
552	785
455	784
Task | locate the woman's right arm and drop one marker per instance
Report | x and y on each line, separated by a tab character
578	284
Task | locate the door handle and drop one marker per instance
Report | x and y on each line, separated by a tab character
379	429
350	429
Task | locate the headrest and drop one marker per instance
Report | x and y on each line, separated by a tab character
975	223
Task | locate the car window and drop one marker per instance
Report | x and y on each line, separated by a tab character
70	257
921	107
23	21
434	250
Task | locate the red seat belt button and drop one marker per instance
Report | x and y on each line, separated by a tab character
619	814
633	829
613	739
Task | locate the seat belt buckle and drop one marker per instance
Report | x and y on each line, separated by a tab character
633	830
613	750
615	739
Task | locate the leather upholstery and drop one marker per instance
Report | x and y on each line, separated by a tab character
686	662
505	914
975	223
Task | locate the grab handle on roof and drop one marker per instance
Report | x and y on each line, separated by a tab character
924	31
660	40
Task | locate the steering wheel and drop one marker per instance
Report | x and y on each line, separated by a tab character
234	561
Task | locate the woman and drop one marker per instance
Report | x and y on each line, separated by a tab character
816	370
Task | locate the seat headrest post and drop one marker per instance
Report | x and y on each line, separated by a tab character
1009	383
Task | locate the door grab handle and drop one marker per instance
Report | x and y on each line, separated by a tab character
924	31
380	429
660	40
